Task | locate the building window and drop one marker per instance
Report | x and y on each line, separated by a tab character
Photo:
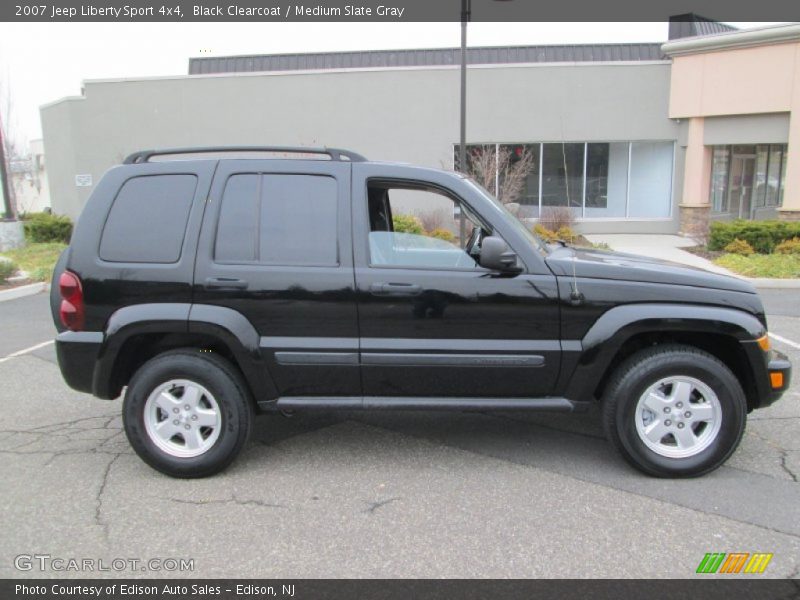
597	180
760	180
562	175
746	179
529	196
650	189
720	167
597	159
775	173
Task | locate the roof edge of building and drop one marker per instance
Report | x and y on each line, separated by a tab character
622	63
62	100
411	50
758	36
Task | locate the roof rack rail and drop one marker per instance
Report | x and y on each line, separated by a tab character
337	154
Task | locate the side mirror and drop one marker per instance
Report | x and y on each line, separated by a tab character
496	255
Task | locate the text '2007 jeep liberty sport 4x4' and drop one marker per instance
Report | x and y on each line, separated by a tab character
215	283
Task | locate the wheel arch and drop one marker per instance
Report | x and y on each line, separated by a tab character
135	334
725	333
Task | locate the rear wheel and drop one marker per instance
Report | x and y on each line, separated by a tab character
674	411
187	414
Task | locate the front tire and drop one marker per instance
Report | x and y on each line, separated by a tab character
187	414
674	411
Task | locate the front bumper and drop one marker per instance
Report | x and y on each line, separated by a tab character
779	370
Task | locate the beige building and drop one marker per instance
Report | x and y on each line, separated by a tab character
739	93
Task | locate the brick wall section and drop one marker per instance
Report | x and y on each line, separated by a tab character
694	221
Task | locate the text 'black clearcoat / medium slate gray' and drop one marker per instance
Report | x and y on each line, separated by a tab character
211	284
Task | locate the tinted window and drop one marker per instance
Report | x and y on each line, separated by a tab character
147	222
278	219
237	232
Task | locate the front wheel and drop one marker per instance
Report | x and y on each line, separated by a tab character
674	411
187	414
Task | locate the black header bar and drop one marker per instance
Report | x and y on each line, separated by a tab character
732	588
393	10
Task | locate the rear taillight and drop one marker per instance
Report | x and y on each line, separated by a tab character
72	310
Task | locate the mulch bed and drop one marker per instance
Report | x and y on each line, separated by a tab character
704	252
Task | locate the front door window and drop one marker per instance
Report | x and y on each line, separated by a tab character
747	180
416	227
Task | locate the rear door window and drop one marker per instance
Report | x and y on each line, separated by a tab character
278	219
147	222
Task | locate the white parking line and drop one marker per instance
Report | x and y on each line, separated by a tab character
29	350
783	340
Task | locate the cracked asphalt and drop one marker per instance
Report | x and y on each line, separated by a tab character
381	494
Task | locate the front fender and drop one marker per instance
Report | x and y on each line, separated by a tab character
610	332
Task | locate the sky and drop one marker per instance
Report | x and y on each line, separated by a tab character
43	62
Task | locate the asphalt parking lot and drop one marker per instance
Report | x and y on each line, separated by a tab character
381	495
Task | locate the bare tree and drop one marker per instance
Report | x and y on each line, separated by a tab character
431	219
7	151
510	168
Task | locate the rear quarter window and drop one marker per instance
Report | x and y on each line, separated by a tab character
147	222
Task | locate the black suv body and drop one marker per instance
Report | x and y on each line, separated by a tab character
223	284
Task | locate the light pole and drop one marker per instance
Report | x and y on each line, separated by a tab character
466	13
466	9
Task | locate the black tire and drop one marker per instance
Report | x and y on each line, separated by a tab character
219	378
646	368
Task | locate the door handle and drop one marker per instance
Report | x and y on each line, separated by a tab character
225	283
395	289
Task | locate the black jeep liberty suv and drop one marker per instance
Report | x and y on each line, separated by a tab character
212	284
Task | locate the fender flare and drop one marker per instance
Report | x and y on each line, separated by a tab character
610	332
225	324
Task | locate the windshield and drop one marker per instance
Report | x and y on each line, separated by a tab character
509	217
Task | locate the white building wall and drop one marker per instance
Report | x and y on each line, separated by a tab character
407	115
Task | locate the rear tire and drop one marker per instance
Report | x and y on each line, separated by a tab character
674	411
187	414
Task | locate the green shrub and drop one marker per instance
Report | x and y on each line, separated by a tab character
43	227
791	246
739	247
546	234
443	234
763	236
567	234
407	224
7	269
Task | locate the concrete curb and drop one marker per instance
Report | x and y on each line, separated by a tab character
24	290
780	284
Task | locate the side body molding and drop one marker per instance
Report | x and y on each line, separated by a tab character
610	332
